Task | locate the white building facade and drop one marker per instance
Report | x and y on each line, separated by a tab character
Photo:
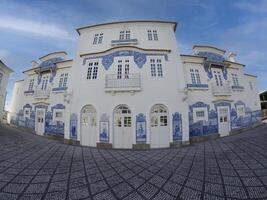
4	75
38	101
129	87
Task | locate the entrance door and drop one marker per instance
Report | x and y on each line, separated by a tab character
159	127
224	121
89	134
40	121
123	137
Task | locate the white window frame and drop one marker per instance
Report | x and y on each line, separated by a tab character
125	35
31	84
201	109
149	35
92	70
65	80
152	35
235	79
156	67
155	35
27	110
195	76
100	38
240	114
45	82
95	40
55	111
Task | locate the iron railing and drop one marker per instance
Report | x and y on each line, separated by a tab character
224	90
39	93
123	82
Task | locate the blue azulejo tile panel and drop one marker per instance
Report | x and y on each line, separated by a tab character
139	57
53	127
247	120
20	120
104	128
203	127
73	126
140	128
177	126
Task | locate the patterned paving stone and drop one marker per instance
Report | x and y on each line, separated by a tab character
78	193
33	168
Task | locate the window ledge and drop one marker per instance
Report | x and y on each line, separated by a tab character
59	89
198	86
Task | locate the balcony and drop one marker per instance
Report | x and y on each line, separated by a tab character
124	42
42	94
224	90
237	88
59	89
29	92
123	84
197	86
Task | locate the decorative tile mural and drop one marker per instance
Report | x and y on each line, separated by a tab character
104	128
140	128
51	127
204	127
73	126
210	126
139	58
177	126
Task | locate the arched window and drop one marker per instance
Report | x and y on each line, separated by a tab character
88	115
158	116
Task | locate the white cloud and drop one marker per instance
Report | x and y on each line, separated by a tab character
253	6
34	27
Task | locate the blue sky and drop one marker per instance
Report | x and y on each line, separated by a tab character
30	29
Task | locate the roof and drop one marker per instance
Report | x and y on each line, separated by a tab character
209	47
130	21
3	64
251	75
53	53
263	92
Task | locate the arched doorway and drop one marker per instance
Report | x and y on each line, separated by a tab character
159	126
122	135
89	134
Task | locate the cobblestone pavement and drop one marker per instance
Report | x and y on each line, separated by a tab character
33	167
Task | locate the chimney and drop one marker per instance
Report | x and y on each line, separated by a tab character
232	57
34	64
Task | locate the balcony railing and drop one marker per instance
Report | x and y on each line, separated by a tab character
224	90
237	88
124	42
130	82
39	93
